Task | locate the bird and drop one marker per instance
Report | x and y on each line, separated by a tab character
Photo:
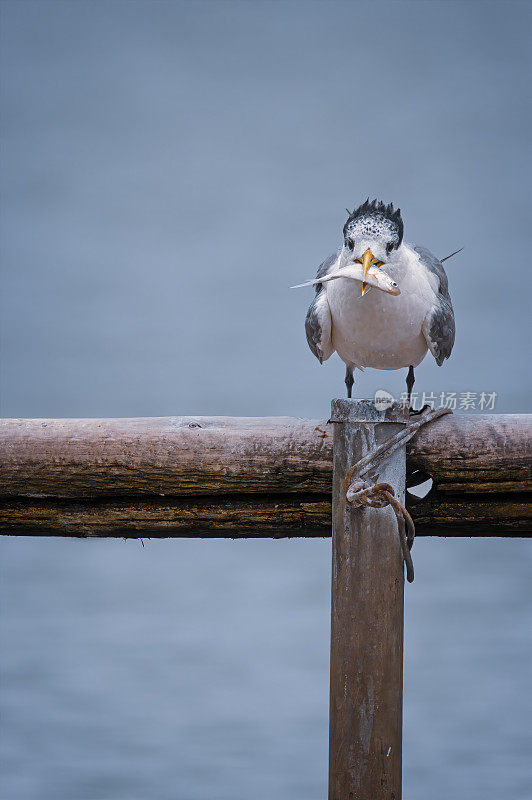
379	301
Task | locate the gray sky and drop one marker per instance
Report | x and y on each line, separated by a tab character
170	169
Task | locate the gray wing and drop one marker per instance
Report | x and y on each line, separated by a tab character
438	326
324	269
318	319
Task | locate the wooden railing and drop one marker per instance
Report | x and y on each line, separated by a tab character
222	476
231	476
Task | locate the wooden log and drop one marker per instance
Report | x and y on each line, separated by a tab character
182	476
160	517
175	456
214	455
472	454
366	696
264	516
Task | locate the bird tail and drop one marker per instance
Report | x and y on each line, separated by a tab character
452	254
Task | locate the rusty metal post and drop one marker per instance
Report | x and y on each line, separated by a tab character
365	730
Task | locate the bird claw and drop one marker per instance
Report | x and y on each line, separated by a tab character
414	412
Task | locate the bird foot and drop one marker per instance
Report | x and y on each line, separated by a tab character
415	412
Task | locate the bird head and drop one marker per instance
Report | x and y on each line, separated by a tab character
371	235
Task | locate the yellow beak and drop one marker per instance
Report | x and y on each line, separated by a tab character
368	260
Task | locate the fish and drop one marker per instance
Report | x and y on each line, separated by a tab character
375	277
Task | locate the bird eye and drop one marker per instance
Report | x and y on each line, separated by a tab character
389	247
350	243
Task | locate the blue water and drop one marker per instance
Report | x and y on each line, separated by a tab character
192	669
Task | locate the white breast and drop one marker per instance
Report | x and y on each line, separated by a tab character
380	330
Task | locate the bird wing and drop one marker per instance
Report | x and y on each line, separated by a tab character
438	326
325	267
318	319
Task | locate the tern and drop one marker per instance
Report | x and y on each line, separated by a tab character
380	302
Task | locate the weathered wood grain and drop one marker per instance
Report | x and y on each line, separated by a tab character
235	517
366	692
179	476
212	455
489	453
282	516
163	456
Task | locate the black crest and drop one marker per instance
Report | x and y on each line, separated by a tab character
376	208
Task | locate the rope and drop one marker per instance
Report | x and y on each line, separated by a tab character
360	492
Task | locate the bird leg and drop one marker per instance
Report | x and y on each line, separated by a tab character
410	380
349	380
